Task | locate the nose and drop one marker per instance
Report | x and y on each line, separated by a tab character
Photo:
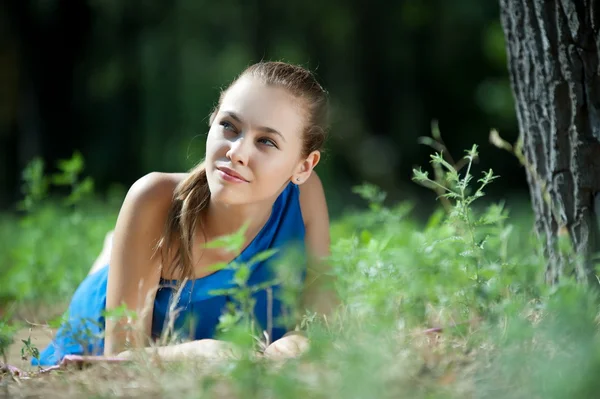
239	152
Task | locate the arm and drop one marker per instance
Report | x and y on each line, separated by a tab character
319	293
134	268
199	349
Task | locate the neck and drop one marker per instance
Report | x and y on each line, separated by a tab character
221	219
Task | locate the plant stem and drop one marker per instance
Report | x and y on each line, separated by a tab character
465	209
440	186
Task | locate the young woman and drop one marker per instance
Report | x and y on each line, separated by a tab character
264	141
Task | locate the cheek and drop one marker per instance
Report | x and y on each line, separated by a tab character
274	172
271	164
214	145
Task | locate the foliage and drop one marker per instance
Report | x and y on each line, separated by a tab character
47	249
7	331
148	74
454	307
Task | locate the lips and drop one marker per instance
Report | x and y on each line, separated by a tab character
232	173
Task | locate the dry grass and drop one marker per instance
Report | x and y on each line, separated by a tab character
118	381
139	379
419	363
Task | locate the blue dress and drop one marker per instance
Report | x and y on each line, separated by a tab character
198	308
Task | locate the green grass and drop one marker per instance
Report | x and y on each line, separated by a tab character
472	270
45	255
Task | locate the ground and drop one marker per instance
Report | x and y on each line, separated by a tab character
40	338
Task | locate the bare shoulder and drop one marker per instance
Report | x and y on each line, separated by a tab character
155	187
147	202
312	200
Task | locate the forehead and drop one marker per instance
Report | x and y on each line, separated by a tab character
260	105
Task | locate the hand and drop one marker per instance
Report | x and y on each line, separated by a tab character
126	355
289	346
208	349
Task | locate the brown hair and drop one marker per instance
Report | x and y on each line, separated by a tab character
192	195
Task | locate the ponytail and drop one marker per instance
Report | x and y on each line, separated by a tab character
190	197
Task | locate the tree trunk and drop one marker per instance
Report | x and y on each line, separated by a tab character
553	51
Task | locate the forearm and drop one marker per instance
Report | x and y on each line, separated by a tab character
126	333
200	349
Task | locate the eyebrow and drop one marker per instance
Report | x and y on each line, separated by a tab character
266	129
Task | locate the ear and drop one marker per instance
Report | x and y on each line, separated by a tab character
305	167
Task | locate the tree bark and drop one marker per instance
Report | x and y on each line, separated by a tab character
553	50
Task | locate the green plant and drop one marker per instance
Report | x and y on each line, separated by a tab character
7	332
457	189
58	237
453	306
29	349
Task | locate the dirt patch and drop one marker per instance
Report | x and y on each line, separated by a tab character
40	338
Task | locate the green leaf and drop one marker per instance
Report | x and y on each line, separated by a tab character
262	256
435	219
371	193
228	320
35	186
71	166
472	154
438	159
81	191
241	275
223	291
365	236
419	175
119	312
61	180
7	332
452	177
232	242
219	266
264	285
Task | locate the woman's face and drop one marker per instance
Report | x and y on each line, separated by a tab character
254	145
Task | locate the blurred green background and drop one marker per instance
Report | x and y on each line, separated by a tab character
130	84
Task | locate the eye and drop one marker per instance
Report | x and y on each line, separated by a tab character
268	142
228	126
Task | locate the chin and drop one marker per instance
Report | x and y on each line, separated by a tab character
227	195
225	199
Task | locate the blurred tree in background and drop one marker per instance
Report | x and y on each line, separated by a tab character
130	83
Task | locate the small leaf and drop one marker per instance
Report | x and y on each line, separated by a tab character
262	256
365	236
419	175
229	320
472	154
439	159
119	312
61	180
72	166
218	266
232	242
263	285
241	275
222	292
